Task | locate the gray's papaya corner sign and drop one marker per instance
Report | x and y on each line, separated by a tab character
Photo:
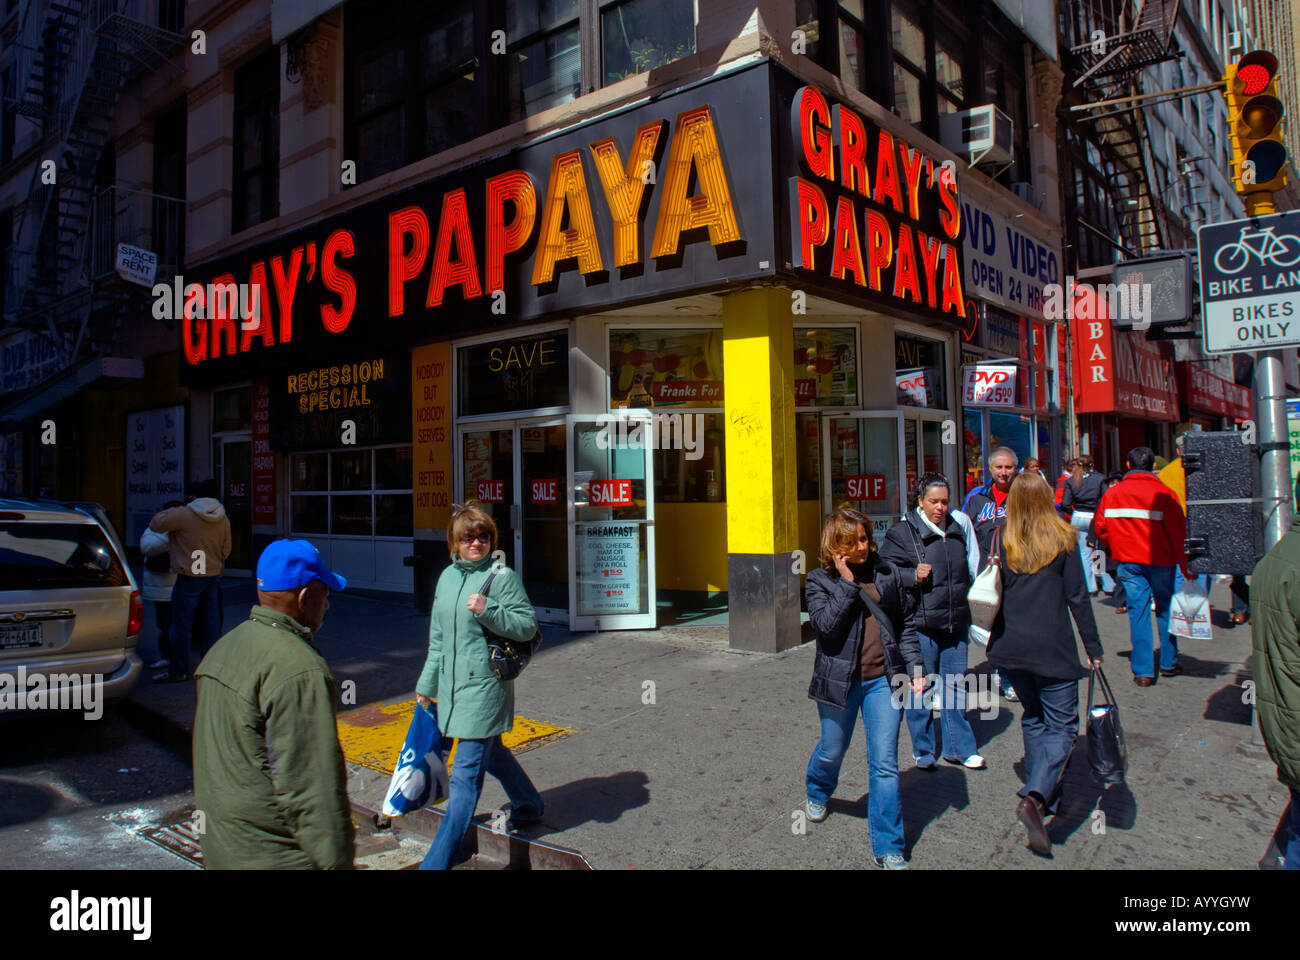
1250	283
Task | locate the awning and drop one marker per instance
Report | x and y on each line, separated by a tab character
20	407
1035	18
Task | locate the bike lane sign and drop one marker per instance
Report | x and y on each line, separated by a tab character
1250	283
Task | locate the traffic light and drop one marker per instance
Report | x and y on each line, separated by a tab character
1255	123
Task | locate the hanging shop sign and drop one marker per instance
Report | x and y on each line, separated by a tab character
364	402
1118	371
989	385
155	465
1006	264
658	199
866	212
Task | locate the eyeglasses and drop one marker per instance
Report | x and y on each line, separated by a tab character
470	538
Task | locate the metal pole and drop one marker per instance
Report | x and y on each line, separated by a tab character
1274	464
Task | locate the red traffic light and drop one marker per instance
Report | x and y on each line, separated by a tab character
1255	71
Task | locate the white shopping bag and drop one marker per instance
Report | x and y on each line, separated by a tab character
1189	613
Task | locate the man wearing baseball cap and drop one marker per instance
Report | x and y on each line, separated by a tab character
268	771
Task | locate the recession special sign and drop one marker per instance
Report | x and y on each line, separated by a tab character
661	198
867	214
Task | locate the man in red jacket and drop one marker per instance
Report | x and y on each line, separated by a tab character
1143	522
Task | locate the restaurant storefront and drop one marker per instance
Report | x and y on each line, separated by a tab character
1011	355
1210	401
655	346
1126	393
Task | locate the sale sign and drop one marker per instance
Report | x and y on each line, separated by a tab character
865	486
491	491
546	491
611	493
989	384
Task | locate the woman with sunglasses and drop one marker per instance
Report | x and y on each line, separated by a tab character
473	705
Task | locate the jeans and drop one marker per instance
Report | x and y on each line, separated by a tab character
1240	594
475	759
881	718
196	612
1081	521
1292	850
944	654
1141	582
1049	724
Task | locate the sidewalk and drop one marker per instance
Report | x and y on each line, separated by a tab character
708	772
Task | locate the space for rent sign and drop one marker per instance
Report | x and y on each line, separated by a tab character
1250	283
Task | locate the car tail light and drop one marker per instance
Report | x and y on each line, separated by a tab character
136	620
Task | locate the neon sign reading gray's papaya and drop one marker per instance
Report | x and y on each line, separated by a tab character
468	249
864	166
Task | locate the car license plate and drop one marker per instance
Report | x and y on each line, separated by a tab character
14	638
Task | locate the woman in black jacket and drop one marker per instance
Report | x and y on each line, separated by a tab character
932	542
1033	643
1079	500
866	649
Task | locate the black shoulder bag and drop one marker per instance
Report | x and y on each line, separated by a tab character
507	658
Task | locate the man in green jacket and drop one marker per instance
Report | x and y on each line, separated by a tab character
269	775
1275	618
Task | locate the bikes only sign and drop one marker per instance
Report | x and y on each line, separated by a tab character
1250	283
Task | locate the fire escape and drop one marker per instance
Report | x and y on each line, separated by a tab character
72	60
1111	44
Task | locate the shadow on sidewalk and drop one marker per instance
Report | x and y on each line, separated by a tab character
590	800
926	796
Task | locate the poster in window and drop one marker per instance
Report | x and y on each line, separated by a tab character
825	368
665	368
609	568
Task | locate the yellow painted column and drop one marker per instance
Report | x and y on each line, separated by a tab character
762	504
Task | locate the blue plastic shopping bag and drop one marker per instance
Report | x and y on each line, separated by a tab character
421	775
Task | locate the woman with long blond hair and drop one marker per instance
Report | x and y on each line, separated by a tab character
1033	643
866	652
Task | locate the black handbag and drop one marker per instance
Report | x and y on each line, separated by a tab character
1107	754
507	658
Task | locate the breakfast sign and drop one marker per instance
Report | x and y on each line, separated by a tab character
653	200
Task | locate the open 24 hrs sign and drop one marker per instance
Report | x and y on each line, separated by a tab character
1250	283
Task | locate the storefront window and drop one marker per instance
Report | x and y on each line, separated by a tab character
920	372
528	373
1011	430
330	492
665	368
826	367
973	445
697	474
543	58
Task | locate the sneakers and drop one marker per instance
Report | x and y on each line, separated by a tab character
1010	694
973	762
162	664
166	677
891	861
924	763
816	811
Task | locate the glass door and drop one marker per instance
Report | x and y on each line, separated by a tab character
236	472
863	457
543	453
611	521
923	448
490	475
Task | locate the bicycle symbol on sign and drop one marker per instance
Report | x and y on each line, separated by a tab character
1268	247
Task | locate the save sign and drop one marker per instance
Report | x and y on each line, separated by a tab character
989	384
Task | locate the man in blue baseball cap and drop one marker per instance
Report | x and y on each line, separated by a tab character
268	770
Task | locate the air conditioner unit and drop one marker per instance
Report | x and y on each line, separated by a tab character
979	135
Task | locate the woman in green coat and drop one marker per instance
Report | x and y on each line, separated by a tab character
473	705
